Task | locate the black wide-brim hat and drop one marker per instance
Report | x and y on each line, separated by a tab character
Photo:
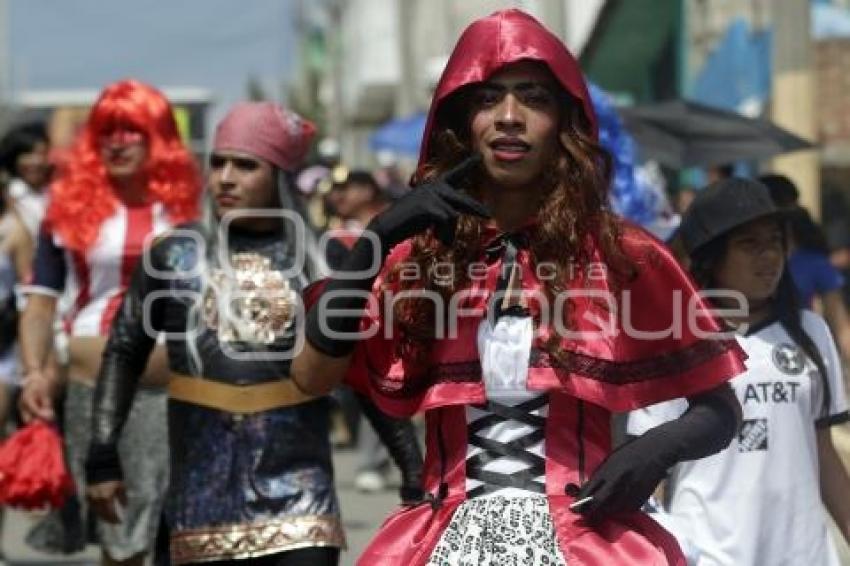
721	207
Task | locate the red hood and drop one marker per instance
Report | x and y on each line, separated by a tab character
506	37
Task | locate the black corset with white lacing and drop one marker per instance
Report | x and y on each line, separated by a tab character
509	463
506	434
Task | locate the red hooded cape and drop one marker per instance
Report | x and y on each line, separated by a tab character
620	370
493	42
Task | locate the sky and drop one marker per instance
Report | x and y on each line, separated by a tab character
215	44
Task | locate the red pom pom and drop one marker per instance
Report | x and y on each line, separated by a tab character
33	474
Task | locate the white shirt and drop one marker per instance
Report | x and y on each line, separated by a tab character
757	503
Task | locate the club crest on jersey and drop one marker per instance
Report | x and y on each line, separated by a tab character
788	359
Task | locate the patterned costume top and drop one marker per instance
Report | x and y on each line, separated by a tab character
242	485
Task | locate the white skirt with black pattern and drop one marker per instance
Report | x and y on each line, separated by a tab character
499	531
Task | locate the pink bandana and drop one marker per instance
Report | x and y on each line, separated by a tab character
267	131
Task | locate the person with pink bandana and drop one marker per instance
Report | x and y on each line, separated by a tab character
251	471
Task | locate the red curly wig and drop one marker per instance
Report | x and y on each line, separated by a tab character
82	196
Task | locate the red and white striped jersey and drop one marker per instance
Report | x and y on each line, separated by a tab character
97	279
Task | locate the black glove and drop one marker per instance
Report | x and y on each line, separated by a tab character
125	357
629	475
433	205
399	436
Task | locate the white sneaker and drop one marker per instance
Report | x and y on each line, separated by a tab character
369	481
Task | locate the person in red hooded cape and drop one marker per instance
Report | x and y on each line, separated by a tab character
518	312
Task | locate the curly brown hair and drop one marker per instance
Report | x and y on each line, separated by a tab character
574	221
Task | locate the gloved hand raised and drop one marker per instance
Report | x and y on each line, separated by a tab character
435	205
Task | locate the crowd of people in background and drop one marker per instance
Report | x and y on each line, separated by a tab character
192	440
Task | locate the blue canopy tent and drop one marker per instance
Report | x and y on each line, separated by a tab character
401	136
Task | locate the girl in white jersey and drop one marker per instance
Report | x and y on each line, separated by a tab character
760	502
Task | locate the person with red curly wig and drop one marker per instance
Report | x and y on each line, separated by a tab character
504	299
128	177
